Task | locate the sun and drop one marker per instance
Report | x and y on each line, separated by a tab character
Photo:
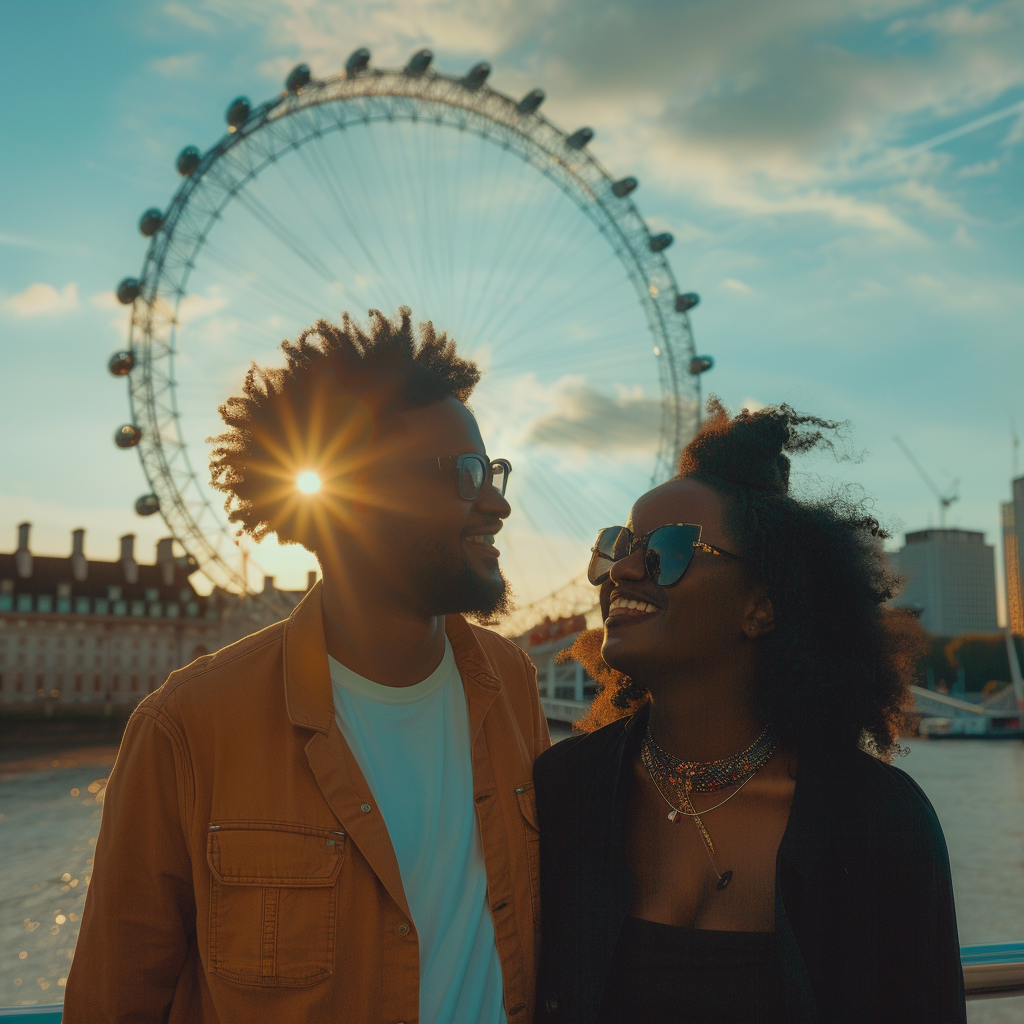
308	482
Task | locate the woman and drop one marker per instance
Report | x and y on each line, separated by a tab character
728	841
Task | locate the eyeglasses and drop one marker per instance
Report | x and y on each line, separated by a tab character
667	551
472	472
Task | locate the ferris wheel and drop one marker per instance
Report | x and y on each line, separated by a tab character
376	188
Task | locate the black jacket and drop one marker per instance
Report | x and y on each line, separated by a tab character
863	898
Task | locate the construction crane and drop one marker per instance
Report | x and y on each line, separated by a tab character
944	500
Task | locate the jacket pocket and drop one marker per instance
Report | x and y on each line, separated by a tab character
273	901
528	808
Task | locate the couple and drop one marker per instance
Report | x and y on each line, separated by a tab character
356	815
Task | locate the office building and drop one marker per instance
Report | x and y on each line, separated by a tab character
950	580
1012	515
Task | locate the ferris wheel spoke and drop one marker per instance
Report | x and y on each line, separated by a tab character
326	174
317	221
273	225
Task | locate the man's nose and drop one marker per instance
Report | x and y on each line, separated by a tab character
629	568
490	501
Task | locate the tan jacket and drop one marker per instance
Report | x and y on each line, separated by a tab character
243	872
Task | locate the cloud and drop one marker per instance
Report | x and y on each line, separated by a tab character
733	284
41	299
766	110
587	419
198	307
188	16
177	65
976	170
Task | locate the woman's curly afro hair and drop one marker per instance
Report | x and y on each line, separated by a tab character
339	390
836	668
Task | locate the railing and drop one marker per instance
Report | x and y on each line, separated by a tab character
993	970
990	972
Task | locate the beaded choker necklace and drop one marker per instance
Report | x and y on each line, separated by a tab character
683	777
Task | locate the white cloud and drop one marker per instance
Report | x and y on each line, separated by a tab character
976	170
758	108
590	420
733	284
188	16
198	307
122	314
929	198
177	65
40	299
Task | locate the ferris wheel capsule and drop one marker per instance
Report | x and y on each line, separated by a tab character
298	78
701	364
127	436
686	301
151	222
357	62
188	161
237	113
531	101
476	76
147	505
624	186
419	62
659	243
579	138
121	363
129	290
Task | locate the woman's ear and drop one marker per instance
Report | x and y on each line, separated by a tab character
759	618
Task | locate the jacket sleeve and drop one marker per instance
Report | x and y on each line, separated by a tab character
925	974
139	915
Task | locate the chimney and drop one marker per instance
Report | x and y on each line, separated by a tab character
310	579
23	557
79	563
128	564
268	584
165	559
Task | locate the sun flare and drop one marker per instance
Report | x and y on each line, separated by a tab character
308	482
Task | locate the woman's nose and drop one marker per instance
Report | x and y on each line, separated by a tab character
629	568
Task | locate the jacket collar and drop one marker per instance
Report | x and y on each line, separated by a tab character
307	677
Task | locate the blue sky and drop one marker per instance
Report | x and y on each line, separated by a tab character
852	260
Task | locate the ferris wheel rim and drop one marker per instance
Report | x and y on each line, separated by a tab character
449	93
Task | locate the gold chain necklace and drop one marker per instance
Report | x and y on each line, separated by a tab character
688	810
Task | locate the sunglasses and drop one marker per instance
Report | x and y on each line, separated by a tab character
667	550
472	471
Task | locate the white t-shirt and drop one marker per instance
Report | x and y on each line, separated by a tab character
412	745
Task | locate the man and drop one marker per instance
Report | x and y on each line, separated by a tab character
333	819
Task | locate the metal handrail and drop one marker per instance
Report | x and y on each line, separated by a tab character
990	972
993	970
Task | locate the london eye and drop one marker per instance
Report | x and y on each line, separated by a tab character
379	187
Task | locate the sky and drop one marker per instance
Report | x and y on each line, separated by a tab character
842	181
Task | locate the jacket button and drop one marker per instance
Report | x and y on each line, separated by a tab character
365	808
402	929
552	1003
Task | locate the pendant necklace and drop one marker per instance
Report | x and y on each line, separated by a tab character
683	777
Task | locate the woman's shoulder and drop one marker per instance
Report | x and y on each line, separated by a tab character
889	802
578	751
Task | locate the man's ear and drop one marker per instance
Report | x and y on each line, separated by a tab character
760	616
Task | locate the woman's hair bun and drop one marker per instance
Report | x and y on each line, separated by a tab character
750	449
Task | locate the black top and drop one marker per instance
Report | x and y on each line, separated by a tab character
864	915
681	975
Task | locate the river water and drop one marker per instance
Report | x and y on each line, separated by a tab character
49	819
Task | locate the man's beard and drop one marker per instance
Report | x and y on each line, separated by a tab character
465	591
